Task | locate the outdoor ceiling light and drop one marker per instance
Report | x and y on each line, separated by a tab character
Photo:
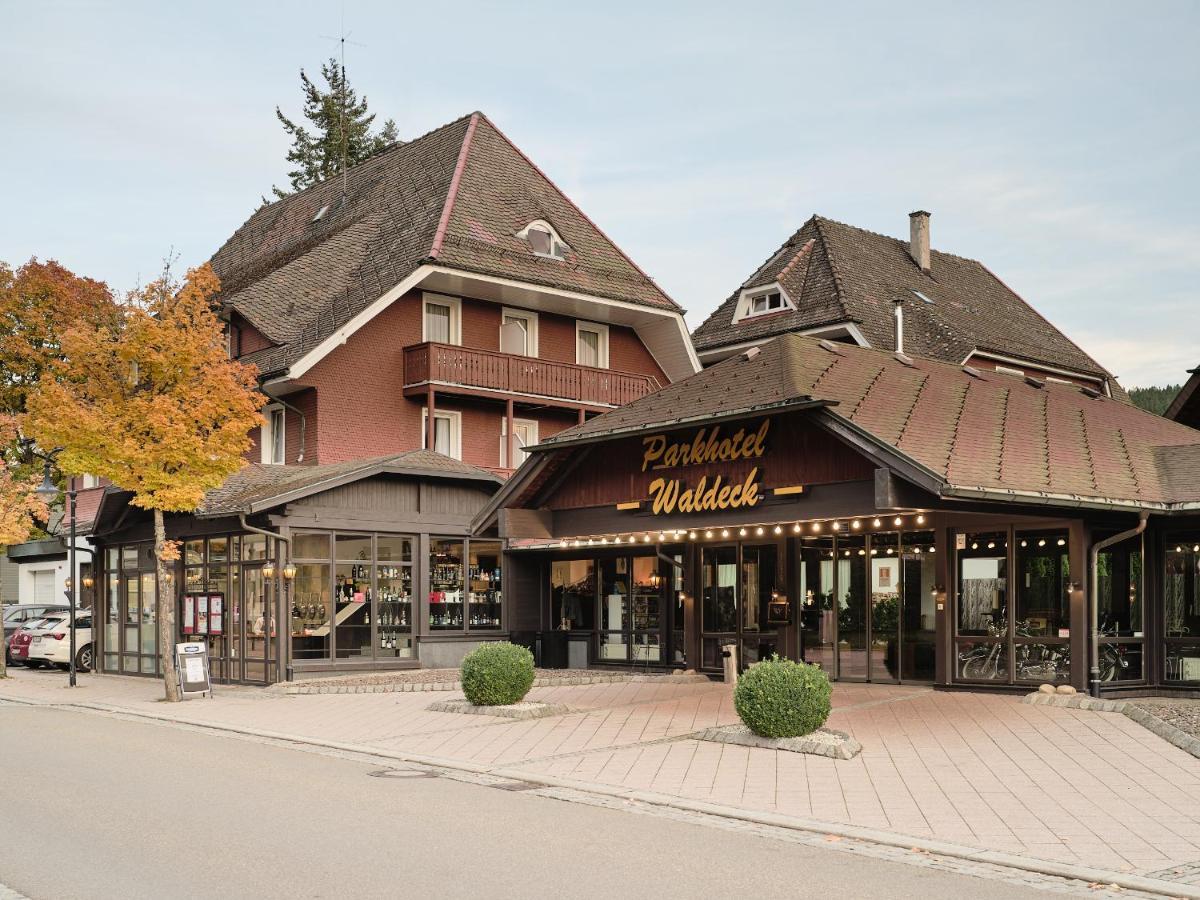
662	535
708	533
836	526
1062	542
576	542
563	543
856	524
897	521
875	523
724	532
921	519
691	535
1042	542
289	571
778	529
816	526
991	545
796	528
974	546
590	542
741	532
759	531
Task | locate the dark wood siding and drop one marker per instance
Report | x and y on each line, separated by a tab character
798	452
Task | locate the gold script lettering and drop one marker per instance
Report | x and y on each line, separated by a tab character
669	495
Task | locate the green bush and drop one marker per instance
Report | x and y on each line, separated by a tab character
497	674
779	698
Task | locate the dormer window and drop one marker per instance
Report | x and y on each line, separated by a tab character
761	302
544	240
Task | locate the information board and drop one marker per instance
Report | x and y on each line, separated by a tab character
191	663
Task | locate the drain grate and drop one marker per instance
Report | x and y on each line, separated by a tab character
402	773
516	786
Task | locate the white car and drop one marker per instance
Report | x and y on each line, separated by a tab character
51	643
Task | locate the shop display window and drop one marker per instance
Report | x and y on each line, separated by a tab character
983	583
484	589
573	594
1119	594
445	585
1181	608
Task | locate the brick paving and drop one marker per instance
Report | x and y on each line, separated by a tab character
987	771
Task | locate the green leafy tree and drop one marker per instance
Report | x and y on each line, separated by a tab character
1154	399
340	125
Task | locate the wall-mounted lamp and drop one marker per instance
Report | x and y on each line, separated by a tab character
269	570
289	572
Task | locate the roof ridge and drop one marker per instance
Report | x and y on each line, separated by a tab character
600	231
460	164
889	237
838	287
804	251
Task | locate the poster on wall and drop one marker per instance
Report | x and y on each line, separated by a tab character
202	615
189	614
216	614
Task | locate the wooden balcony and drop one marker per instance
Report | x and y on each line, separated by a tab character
447	368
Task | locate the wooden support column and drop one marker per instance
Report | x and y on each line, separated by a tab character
429	429
509	438
582	416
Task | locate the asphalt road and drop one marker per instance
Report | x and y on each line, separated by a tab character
97	807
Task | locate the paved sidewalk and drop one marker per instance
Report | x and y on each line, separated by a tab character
981	770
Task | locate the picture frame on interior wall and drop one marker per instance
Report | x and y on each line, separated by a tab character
447	428
441	319
273	436
591	344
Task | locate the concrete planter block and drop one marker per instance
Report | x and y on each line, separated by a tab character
822	742
526	709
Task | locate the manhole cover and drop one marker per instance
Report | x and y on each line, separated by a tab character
401	773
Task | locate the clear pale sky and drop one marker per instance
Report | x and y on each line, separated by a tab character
1057	142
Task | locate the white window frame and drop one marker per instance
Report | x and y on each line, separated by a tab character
455	305
531	424
531	326
745	307
267	435
454	417
558	247
597	328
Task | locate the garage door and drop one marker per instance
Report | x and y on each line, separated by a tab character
43	588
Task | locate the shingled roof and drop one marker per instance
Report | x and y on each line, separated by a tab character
973	433
456	197
836	273
257	487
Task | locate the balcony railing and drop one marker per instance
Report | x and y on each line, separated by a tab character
489	371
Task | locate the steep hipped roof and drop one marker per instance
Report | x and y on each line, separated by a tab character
838	273
456	196
258	487
974	433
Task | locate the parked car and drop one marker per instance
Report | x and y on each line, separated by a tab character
17	614
18	644
50	642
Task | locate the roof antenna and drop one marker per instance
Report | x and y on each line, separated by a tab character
341	39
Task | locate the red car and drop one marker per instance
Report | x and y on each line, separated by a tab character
18	644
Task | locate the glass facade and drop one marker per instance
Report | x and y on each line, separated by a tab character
352	597
130	630
1181	608
466	590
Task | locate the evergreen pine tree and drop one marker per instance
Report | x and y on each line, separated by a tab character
335	115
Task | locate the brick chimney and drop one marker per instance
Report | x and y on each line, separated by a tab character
918	238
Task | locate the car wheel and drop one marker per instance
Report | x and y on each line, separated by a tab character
83	658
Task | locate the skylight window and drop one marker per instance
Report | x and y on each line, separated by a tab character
921	296
544	240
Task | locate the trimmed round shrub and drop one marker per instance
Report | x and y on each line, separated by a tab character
497	674
778	698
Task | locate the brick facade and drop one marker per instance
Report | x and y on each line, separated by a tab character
353	400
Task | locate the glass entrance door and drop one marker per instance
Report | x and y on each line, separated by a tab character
737	584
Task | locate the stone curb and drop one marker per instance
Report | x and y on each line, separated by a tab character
1168	732
398	687
846	748
1072	871
519	711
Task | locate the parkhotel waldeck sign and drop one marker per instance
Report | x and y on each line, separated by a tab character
708	446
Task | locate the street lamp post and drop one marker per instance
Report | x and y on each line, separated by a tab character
48	490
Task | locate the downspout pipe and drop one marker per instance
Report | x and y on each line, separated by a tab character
287	542
1094	593
300	413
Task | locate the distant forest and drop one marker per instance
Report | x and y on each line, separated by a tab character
1154	399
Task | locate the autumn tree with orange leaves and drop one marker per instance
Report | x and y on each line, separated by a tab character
20	506
155	405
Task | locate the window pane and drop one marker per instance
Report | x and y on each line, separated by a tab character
1182	662
1043	573
982	660
311	545
149	617
589	348
277	435
1119	587
1181	587
394	549
760	580
817	619
719	584
218	549
885	581
515	338
484	585
193	552
614	594
647	594
983	583
394	607
445	585
852	606
352	608
919	612
353	547
539	240
312	611
441	434
254	547
437	323
573	594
